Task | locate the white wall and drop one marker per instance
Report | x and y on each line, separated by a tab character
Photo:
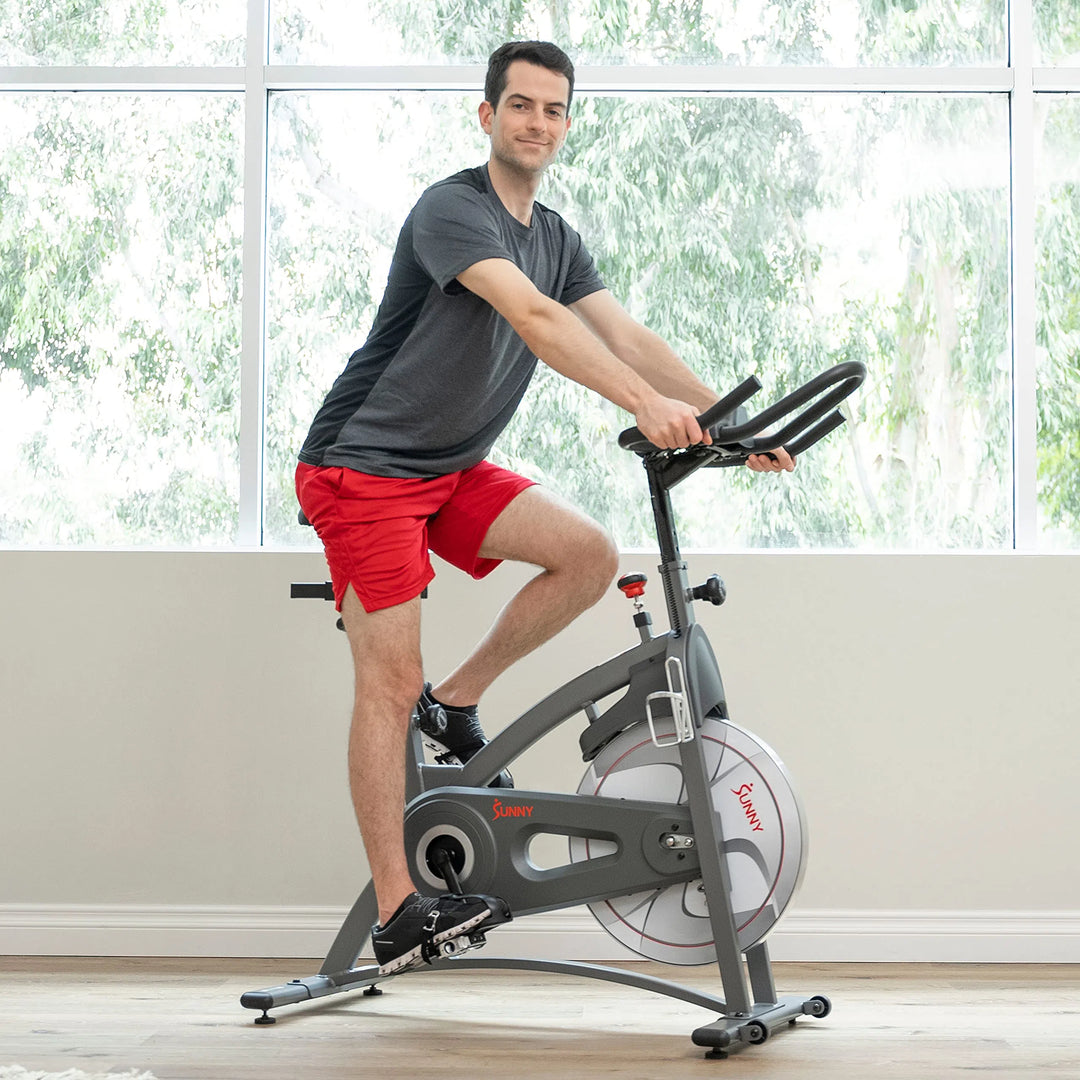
172	772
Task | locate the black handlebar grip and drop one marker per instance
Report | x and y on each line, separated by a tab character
730	402
796	446
818	431
833	385
633	439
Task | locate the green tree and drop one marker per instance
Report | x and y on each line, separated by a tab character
121	32
1058	327
119	317
773	235
706	216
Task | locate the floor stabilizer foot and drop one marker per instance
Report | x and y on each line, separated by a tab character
734	1032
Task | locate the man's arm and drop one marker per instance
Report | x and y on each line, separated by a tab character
564	343
657	363
641	349
644	376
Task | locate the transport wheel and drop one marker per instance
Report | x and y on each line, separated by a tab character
762	823
756	1032
818	1006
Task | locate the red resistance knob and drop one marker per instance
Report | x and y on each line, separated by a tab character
632	585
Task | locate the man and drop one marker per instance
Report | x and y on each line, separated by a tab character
484	280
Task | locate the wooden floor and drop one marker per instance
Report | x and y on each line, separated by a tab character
181	1020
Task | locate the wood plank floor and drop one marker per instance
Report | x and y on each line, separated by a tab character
181	1020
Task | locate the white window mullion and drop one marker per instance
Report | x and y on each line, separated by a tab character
1022	149
252	378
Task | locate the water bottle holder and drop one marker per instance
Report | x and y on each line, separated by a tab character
675	696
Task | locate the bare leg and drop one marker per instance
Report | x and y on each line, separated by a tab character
578	561
386	656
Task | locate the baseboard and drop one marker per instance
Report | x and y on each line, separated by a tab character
817	936
976	937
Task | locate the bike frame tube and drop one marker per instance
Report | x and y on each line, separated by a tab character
672	568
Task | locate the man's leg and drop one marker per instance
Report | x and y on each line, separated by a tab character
389	678
578	561
386	654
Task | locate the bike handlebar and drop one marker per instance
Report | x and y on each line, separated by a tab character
733	443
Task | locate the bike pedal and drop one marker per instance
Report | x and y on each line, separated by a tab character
441	754
454	948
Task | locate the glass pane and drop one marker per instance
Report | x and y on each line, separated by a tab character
760	235
120	318
1058	320
135	32
722	32
332	225
1057	32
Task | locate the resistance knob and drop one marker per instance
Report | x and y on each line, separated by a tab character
713	590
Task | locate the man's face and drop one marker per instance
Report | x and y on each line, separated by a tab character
530	123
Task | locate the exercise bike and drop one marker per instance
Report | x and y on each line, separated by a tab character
686	839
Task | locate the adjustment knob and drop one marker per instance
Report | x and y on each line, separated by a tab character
632	585
713	590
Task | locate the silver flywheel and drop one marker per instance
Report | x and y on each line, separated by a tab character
761	821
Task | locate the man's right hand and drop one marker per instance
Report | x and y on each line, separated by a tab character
669	423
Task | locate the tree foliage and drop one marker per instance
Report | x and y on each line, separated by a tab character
764	234
1058	277
707	214
121	32
119	318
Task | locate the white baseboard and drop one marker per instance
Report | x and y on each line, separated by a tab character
976	937
818	936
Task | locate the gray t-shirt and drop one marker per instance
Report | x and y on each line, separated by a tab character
442	372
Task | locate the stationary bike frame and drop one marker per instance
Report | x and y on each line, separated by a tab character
674	672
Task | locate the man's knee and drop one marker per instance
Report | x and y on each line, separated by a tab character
394	676
598	559
386	654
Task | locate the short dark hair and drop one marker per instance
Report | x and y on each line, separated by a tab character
541	53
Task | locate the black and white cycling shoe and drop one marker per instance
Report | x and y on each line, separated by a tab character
425	928
452	734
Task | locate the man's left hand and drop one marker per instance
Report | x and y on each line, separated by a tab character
778	460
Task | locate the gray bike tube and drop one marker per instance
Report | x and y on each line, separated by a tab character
558	707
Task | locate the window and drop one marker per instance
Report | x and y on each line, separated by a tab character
1057	32
736	33
145	32
1058	313
774	187
119	318
789	233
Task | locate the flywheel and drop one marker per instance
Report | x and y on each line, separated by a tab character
761	821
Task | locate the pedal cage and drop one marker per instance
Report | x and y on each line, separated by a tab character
463	943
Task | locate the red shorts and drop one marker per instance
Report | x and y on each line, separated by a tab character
377	530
